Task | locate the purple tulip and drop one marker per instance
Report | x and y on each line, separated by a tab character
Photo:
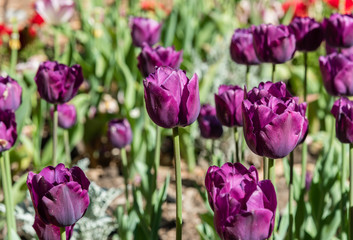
150	58
8	132
66	115
59	195
274	122
343	111
145	30
337	74
210	127
10	94
244	208
339	30
58	83
242	48
308	33
228	105
308	180
119	132
55	11
171	98
273	44
49	231
345	51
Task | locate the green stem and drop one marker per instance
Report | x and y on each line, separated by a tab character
265	166
157	154
67	147
351	192
290	196
273	72
305	145
56	45
62	233
247	76
236	143
214	158
14	48
343	191
179	219
272	177
55	133
9	184
7	200
126	177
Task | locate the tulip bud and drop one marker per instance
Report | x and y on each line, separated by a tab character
145	30
244	208
274	122
242	48
58	83
343	111
171	98
49	231
273	44
308	33
210	127
150	58
228	105
54	192
339	30
66	115
10	94
8	132
55	11
119	133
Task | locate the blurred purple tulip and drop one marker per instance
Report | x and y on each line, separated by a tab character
337	74
308	33
210	126
171	98
344	51
343	111
59	195
49	231
339	30
244	208
150	58
55	12
242	48
119	132
66	115
58	83
308	180
228	105
145	30
10	94
274	122
8	132
273	44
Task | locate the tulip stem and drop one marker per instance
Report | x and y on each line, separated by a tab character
157	154
67	147
55	133
343	191
213	156
14	45
247	76
9	184
305	145
236	143
179	219
265	166
126	178
62	233
351	192
273	72
290	196
56	45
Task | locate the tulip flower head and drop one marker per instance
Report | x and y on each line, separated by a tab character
145	30
210	126
10	94
339	30
119	133
343	111
171	98
8	132
274	121
58	83
242	48
273	44
244	208
59	195
67	116
55	12
150	58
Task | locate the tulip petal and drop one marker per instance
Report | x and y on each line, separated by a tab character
79	176
49	231
190	102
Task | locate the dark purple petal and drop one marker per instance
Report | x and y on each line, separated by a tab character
241	47
144	30
49	231
210	126
119	133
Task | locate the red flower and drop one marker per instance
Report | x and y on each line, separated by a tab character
300	7
37	19
335	4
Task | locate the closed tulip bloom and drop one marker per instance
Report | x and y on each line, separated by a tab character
49	231
119	132
243	207
59	195
171	98
274	121
145	30
308	33
210	127
337	74
10	94
242	48
228	105
339	30
273	44
55	11
8	132
343	111
150	58
58	83
66	115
